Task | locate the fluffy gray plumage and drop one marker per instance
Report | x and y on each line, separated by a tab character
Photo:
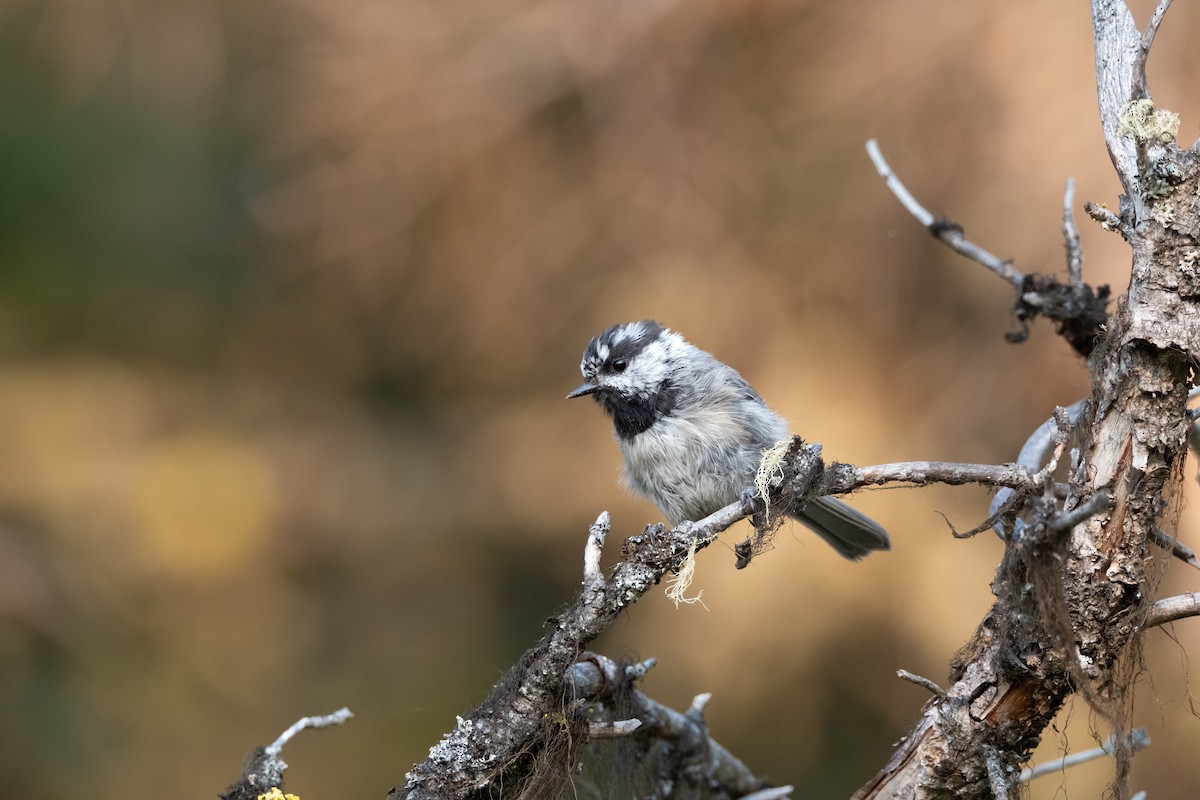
693	431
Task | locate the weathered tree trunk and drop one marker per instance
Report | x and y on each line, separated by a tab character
1071	602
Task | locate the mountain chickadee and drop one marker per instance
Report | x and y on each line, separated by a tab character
693	431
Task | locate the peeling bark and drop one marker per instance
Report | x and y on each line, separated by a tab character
1069	609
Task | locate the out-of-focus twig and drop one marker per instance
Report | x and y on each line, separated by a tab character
949	233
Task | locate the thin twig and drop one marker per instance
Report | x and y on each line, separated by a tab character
699	703
1098	503
1138	740
1152	26
336	718
1139	64
1071	237
1178	549
638	671
774	793
1170	609
593	578
947	232
264	768
897	187
922	681
613	730
922	473
1107	219
1062	426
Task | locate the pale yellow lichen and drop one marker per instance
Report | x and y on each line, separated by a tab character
769	469
1141	120
678	584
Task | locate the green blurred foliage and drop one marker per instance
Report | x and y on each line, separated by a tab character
290	293
114	218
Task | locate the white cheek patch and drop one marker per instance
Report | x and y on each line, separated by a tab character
649	368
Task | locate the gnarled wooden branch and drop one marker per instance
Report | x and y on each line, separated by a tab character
264	768
493	740
679	740
1070	603
1077	309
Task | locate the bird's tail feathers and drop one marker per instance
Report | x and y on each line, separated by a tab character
850	532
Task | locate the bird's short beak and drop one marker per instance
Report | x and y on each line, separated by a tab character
586	388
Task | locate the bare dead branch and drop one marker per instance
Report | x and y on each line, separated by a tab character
264	768
595	681
637	671
897	187
1078	311
923	473
328	720
699	703
1138	740
1118	43
1107	219
509	723
922	681
1098	503
1061	621
613	730
1071	238
1170	609
1147	41
592	577
947	232
597	677
775	793
1176	548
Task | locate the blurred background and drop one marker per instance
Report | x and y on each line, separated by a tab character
291	292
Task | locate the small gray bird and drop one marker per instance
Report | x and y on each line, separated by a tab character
693	431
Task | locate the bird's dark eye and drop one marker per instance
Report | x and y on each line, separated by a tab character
619	365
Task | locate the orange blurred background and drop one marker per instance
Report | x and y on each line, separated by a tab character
291	293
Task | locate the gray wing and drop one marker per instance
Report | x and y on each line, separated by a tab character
735	381
709	372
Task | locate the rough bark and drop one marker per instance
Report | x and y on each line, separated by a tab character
1070	604
527	733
